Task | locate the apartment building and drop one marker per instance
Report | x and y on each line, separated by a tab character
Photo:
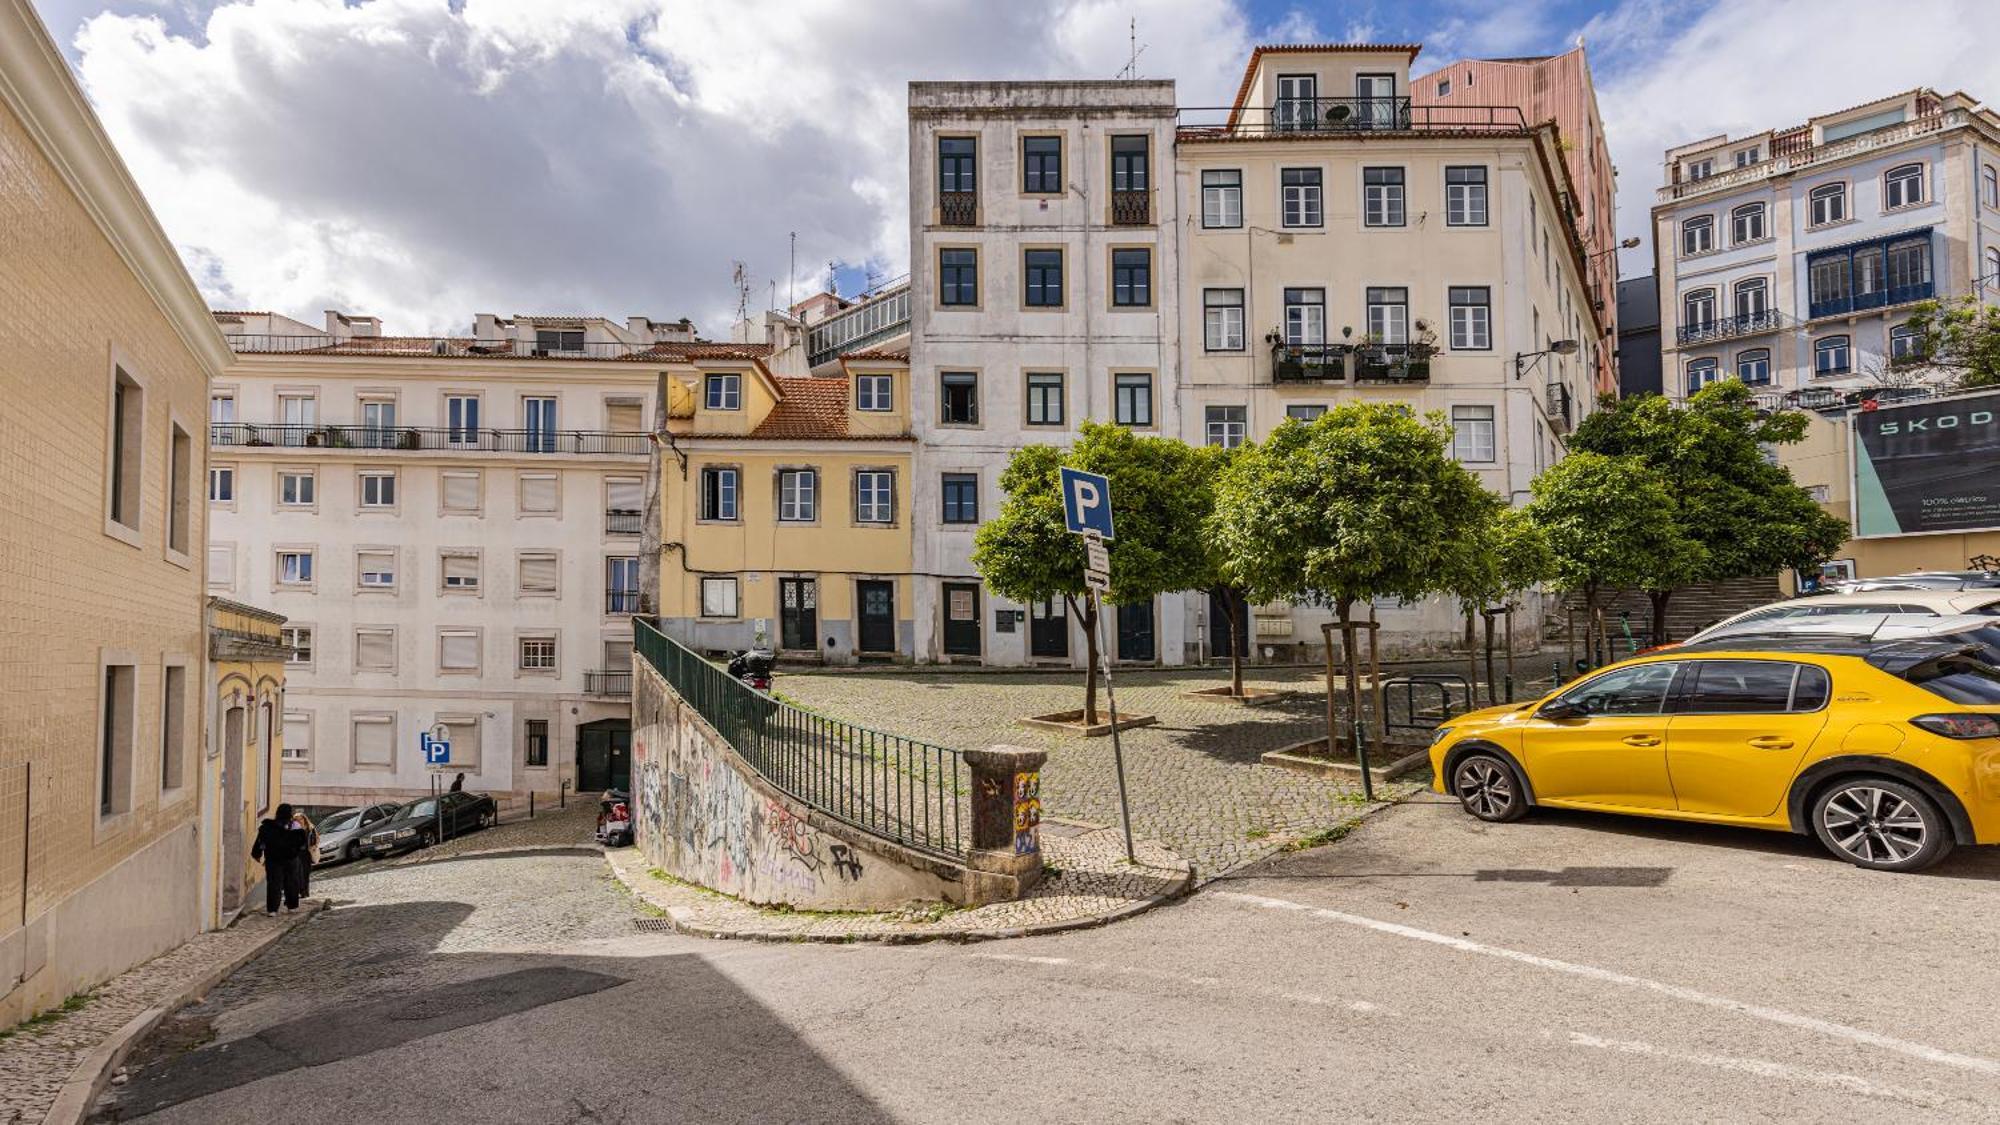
105	359
1342	243
451	527
786	509
1044	251
1554	88
1790	258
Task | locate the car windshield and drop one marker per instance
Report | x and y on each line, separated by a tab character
340	822
420	809
1638	690
1963	677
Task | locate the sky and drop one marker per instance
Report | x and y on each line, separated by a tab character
426	160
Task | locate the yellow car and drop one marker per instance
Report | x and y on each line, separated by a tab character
1888	749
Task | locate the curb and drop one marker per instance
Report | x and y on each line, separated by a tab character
422	857
88	1081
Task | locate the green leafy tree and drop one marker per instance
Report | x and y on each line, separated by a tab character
1744	510
1960	337
1159	509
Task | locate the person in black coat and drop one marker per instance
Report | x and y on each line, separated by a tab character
280	845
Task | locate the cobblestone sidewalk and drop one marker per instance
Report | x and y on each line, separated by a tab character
36	1059
1089	882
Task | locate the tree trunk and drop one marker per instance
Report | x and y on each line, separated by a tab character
1228	598
1088	614
1350	666
1471	665
1589	627
1659	614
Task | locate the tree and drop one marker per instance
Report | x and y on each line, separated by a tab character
1159	509
1742	507
1510	555
1960	337
1609	522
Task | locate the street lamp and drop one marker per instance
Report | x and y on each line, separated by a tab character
1556	347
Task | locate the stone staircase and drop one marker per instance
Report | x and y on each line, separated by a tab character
1691	609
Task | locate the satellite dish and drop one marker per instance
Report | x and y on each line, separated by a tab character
1339	112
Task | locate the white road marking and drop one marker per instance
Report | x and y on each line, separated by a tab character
1608	976
1763	1068
1178	978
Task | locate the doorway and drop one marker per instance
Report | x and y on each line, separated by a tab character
1375	97
878	615
961	619
604	756
798	614
1135	633
1226	638
1048	629
233	849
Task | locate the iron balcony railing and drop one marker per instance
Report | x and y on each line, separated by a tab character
457	439
621	601
1730	327
958	208
623	521
451	347
900	789
1309	363
1131	208
1881	297
1323	117
1559	405
1391	363
617	684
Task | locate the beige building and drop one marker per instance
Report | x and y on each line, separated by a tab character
241	777
106	353
1342	244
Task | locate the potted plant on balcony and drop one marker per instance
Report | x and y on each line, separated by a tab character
1416	361
1286	363
1372	357
409	439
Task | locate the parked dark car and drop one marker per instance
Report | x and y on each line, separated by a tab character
416	825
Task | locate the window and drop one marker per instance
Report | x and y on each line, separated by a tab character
1698	309
1298	102
1734	687
1754	366
128	427
538	494
1305	411
960	493
1045	398
1639	689
798	495
1472	433
375	650
958	398
1831	283
718	597
537	572
1389	315
1989	185
874	496
115	738
1992	274
1828	204
458	493
535	743
724	392
180	483
1831	356
1903	186
1444	87
295	568
1222	320
221	566
375	570
1471	317
1041	165
1131	163
1701	373
1745	157
374	740
461	419
1697	235
1133	399
1301	197
625	415
621	584
173	726
295	488
1753	300
558	340
378	424
874	393
624	505
300	415
1382	197
458	650
1909	265
1746	223
378	490
1132	277
222	484
1225	425
718	494
1043	270
1305	317
1222	198
297	746
1904	343
958	277
538	654
222	417
460	570
1700	169
958	159
1465	196
298	641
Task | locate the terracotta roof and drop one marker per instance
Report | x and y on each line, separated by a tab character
807	408
893	351
1250	69
220	313
705	349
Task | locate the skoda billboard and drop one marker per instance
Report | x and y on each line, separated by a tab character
1927	466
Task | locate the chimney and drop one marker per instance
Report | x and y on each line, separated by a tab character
485	326
641	327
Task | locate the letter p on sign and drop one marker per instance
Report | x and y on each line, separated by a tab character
1086	502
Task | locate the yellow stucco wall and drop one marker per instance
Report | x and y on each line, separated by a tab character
245	781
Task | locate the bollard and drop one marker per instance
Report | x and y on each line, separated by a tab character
531	804
562	793
1007	812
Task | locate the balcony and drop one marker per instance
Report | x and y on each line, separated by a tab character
1392	363
623	521
440	347
1792	151
611	685
420	438
1131	208
1730	327
1877	299
958	208
1559	406
1309	363
1334	117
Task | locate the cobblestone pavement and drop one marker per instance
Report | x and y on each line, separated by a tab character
1088	881
1195	780
36	1060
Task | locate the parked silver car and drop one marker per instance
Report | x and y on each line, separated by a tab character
340	833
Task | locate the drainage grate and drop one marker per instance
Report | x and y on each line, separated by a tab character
653	925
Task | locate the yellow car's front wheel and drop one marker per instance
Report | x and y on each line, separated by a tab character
1880	824
1488	788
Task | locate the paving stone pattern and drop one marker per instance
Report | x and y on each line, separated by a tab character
1195	780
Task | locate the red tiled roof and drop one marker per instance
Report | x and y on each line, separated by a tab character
893	351
235	312
1250	70
705	349
807	408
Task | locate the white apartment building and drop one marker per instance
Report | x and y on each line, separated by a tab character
1340	244
1042	293
1790	258
451	526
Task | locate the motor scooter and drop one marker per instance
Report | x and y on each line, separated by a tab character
614	819
753	667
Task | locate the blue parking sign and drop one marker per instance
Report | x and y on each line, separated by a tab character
1086	502
436	752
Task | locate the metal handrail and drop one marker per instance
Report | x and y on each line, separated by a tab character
1406	688
457	439
1323	117
450	347
611	683
1730	327
896	788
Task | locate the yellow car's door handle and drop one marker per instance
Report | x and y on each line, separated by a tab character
1642	740
1771	742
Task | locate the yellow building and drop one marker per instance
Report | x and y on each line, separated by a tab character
106	353
244	749
785	507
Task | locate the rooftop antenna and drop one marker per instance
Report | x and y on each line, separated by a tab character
1132	64
833	274
774	294
741	280
792	280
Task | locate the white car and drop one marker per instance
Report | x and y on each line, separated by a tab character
1922	603
340	833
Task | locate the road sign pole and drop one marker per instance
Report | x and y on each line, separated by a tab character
1117	749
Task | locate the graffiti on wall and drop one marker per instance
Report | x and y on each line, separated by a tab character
1027	812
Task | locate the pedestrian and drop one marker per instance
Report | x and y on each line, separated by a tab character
278	845
309	853
458	784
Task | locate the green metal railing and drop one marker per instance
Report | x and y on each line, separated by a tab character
898	788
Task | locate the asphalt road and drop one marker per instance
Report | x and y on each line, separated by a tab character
1428	968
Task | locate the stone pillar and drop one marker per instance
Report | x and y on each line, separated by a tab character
1007	812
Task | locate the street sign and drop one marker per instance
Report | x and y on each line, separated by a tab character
1086	502
437	751
1097	563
